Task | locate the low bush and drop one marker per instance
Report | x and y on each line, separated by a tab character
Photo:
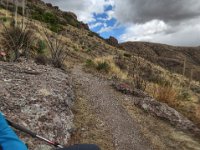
103	66
127	55
166	94
89	63
41	46
139	83
184	95
17	41
51	19
4	19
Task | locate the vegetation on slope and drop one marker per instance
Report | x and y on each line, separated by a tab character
119	65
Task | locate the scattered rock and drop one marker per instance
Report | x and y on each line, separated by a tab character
127	89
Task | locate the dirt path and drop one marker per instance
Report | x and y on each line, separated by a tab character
105	103
114	122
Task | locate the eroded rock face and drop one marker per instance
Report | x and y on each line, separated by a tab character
39	98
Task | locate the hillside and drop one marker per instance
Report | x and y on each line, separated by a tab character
94	90
169	57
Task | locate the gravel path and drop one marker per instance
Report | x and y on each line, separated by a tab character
105	101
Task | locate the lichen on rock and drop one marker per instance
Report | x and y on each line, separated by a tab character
39	101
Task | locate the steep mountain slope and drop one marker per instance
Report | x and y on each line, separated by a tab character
169	57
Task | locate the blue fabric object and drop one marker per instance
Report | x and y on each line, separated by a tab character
8	139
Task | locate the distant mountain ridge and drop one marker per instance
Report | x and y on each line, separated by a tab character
169	57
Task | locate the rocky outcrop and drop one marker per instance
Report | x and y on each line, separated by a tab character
162	110
112	41
71	14
165	112
39	98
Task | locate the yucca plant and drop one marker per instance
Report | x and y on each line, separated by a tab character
58	50
16	41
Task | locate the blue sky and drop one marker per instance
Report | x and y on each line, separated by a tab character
106	26
162	21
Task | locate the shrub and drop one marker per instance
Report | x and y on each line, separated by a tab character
4	19
103	66
140	83
166	94
127	55
41	46
184	95
58	50
51	19
89	63
17	41
107	64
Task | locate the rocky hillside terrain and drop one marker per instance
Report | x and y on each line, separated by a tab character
169	57
72	86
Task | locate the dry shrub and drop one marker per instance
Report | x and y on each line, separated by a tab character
58	49
113	69
139	83
165	93
17	41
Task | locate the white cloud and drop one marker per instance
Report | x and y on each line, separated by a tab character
186	34
173	22
138	31
94	25
107	28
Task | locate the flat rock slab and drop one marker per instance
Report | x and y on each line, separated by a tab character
39	98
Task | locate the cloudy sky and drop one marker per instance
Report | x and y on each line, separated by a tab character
175	22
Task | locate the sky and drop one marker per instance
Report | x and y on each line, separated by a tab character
174	22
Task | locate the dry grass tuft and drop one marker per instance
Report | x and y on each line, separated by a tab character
165	93
113	69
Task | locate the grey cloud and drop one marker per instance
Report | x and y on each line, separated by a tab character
140	11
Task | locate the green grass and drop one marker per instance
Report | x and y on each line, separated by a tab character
41	47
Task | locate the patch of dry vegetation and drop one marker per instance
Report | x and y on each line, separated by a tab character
108	66
164	93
